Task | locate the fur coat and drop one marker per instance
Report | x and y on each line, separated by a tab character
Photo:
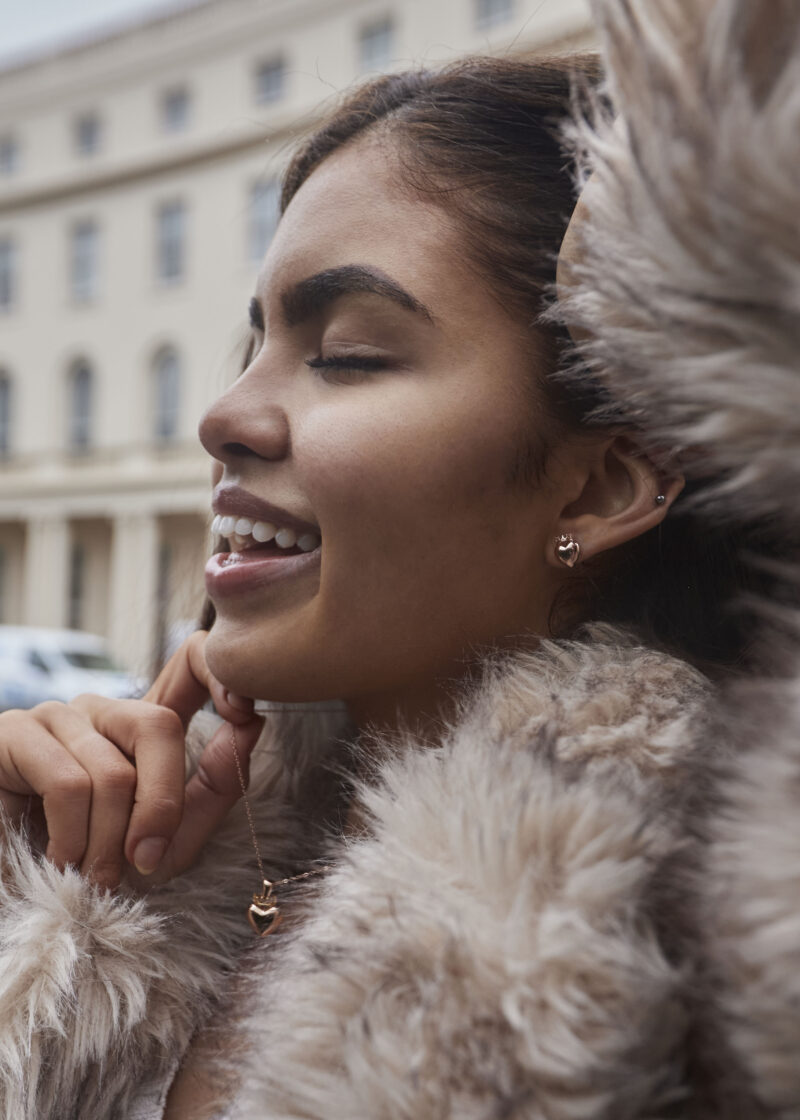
584	903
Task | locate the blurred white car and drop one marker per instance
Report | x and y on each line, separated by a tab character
38	664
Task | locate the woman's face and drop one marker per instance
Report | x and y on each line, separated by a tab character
428	549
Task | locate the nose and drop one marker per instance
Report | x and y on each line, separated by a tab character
244	423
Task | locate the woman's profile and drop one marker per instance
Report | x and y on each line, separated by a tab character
500	599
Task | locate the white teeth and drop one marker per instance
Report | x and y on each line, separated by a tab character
263	531
242	531
285	538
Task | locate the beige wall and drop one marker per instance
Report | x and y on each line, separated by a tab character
128	498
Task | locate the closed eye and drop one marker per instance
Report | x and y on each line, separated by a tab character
365	364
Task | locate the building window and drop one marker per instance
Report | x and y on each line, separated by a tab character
87	134
84	262
270	80
171	237
376	45
167	378
175	110
9	155
265	197
489	13
8	273
79	410
5	415
77	586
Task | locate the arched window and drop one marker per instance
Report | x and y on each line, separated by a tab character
167	378
5	414
79	410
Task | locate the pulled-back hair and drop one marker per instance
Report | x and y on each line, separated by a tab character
481	138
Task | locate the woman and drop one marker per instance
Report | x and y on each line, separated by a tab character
525	673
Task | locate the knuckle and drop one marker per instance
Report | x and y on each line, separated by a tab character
71	784
166	809
163	721
87	701
117	780
48	710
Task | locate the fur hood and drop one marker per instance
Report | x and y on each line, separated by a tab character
688	298
582	904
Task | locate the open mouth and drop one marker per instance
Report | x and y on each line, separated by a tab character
250	555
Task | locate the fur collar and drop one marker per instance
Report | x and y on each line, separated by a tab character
492	935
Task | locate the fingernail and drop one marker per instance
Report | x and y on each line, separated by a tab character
147	854
240	703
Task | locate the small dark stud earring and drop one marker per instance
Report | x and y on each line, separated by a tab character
660	499
567	549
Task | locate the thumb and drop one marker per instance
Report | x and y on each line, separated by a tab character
211	793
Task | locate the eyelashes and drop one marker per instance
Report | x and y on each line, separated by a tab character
360	364
330	367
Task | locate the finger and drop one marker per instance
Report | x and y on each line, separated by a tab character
35	763
211	793
153	737
114	783
183	683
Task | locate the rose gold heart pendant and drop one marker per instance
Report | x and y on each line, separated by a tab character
264	915
567	550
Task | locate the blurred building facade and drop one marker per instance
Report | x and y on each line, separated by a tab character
138	193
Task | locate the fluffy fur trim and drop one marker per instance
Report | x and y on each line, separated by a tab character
491	949
100	991
689	273
688	284
750	896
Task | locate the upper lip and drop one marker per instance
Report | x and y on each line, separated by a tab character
233	501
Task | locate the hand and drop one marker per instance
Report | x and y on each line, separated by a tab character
110	774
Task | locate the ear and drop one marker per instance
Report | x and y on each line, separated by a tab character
617	501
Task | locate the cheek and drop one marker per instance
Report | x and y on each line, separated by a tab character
413	501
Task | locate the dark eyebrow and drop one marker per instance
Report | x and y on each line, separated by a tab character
311	295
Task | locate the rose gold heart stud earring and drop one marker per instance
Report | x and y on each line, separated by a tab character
567	549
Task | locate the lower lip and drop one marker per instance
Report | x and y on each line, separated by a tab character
239	573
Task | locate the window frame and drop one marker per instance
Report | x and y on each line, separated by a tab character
169	126
84	289
372	29
79	424
486	18
167	243
9	155
9	257
90	116
6	413
166	359
275	64
261	227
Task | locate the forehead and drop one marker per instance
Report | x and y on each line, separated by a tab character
354	209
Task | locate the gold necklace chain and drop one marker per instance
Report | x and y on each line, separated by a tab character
264	913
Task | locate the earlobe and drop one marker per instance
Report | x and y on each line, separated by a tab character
624	495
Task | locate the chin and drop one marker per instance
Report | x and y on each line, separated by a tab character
266	667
